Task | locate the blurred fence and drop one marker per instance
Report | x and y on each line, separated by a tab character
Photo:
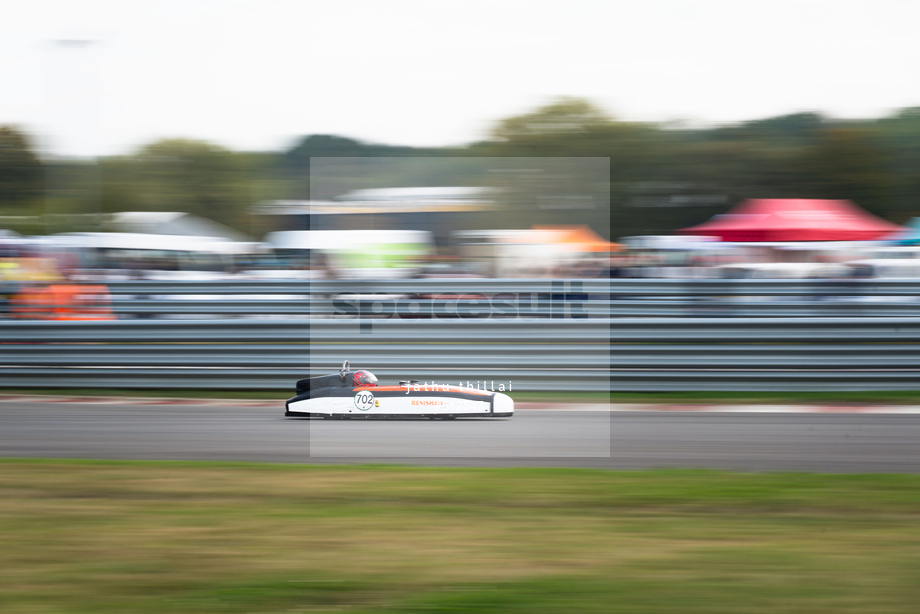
508	299
514	299
596	354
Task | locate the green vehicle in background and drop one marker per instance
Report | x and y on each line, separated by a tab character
353	254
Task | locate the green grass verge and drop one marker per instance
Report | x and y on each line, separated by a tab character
882	396
83	536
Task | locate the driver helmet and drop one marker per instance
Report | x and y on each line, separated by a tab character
364	378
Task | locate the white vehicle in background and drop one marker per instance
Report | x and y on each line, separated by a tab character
781	270
119	256
891	252
885	268
109	257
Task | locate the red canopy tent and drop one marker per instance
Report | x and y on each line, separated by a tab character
780	220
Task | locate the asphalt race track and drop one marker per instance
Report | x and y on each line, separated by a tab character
571	438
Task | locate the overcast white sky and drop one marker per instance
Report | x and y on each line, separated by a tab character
256	74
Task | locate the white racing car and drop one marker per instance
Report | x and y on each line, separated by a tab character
356	394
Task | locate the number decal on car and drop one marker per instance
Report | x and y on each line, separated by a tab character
364	400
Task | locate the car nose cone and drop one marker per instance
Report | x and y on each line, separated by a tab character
502	404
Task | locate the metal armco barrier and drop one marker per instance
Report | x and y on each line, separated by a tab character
616	286
512	299
516	298
619	354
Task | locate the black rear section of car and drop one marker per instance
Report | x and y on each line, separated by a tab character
324	381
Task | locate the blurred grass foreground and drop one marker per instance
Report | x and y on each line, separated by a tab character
87	536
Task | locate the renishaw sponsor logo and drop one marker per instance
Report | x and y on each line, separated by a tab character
563	300
429	403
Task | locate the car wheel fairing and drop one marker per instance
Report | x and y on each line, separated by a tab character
444	404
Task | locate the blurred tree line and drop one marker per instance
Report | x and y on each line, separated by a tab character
659	176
